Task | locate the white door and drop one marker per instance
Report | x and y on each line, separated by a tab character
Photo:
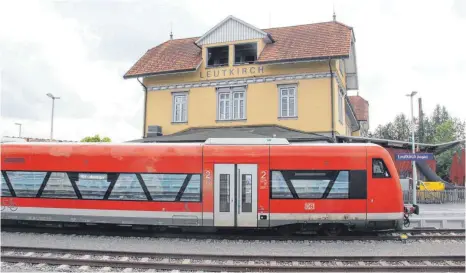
224	197
235	202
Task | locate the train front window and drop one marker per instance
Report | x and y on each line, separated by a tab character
379	170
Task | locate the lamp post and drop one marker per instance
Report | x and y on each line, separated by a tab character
414	150
53	106
19	124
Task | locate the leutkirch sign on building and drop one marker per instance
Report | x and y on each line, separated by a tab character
218	73
238	75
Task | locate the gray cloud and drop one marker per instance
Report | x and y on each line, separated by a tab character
128	29
459	8
27	78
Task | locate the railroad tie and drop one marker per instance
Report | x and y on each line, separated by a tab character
450	263
384	263
84	268
63	267
405	263
144	259
128	269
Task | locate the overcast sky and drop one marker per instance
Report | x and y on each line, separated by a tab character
79	51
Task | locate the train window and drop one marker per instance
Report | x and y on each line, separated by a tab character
224	193
26	184
58	186
127	187
379	170
93	185
246	196
5	190
279	187
165	187
310	184
340	188
193	190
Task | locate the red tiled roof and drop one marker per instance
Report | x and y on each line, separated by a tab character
172	56
302	42
360	106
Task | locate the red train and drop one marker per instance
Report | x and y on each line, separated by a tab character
234	183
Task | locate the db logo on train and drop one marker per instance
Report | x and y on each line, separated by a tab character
309	206
8	203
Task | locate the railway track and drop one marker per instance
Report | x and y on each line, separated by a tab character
413	234
95	260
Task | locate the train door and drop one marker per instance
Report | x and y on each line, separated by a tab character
380	195
235	195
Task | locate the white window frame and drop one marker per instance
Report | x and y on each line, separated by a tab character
340	106
183	104
230	103
281	88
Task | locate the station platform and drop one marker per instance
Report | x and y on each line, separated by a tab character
441	216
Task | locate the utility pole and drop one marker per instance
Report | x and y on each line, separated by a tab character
19	124
413	147
53	106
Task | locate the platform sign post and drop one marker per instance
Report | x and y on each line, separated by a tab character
413	157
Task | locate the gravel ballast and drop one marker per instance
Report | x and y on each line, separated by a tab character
313	248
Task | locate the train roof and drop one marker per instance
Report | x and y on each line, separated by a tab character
210	141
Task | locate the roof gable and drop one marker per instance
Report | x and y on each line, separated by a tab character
231	29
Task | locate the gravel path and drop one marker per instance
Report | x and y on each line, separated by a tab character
324	248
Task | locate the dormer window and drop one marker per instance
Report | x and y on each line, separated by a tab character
217	56
245	53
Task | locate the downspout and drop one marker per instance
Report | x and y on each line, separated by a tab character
331	98
145	107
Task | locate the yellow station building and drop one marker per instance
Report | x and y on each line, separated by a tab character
239	80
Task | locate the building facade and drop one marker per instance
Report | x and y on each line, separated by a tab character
238	76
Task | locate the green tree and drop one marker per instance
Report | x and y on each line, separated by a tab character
440	127
96	138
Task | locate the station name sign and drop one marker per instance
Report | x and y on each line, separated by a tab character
213	73
415	157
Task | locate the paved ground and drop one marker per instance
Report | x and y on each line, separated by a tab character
442	210
449	216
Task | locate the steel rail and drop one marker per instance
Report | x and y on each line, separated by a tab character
217	262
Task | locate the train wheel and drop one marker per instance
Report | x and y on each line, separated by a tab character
333	229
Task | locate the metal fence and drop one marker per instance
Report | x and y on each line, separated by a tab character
436	197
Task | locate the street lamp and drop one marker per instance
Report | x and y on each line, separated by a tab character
53	106
414	151
19	124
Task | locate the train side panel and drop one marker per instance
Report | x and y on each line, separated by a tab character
120	184
318	184
385	199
